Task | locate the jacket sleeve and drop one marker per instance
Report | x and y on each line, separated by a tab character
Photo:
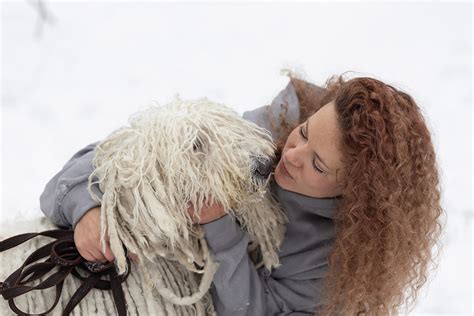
65	198
241	289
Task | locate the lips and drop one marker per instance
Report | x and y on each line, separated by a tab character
283	168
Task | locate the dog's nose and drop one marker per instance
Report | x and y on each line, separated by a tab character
263	167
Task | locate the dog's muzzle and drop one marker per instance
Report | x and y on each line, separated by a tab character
263	168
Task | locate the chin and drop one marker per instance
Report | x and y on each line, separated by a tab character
282	181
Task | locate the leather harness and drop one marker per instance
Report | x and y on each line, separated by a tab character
63	254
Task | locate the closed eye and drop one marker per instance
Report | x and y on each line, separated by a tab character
302	133
313	163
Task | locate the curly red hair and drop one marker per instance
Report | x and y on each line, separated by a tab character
389	214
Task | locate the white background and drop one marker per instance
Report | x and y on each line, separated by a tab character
72	78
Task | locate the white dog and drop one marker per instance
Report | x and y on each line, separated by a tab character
170	156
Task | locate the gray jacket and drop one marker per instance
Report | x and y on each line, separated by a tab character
238	288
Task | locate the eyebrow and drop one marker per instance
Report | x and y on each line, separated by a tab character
314	152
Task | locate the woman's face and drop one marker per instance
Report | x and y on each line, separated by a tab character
312	156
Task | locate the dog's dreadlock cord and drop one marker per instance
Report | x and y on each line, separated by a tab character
208	271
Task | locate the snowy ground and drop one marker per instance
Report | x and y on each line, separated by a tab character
73	79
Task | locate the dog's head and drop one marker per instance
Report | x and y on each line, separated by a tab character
170	156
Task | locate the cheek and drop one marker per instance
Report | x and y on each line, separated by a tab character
318	182
312	179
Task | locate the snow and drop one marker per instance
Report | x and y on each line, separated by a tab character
74	78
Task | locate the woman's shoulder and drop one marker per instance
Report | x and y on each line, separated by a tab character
284	104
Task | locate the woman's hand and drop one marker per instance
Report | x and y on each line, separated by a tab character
208	213
87	232
87	238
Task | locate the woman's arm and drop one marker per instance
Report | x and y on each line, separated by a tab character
240	289
66	198
66	202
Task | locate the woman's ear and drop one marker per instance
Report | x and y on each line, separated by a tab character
340	181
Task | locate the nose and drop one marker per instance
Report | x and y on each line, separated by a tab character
263	167
294	155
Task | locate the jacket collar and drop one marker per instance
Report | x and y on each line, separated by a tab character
325	207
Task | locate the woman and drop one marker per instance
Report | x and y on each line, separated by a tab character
356	174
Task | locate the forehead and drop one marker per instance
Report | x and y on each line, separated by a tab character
326	118
325	136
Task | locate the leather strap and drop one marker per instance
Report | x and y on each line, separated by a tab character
63	254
